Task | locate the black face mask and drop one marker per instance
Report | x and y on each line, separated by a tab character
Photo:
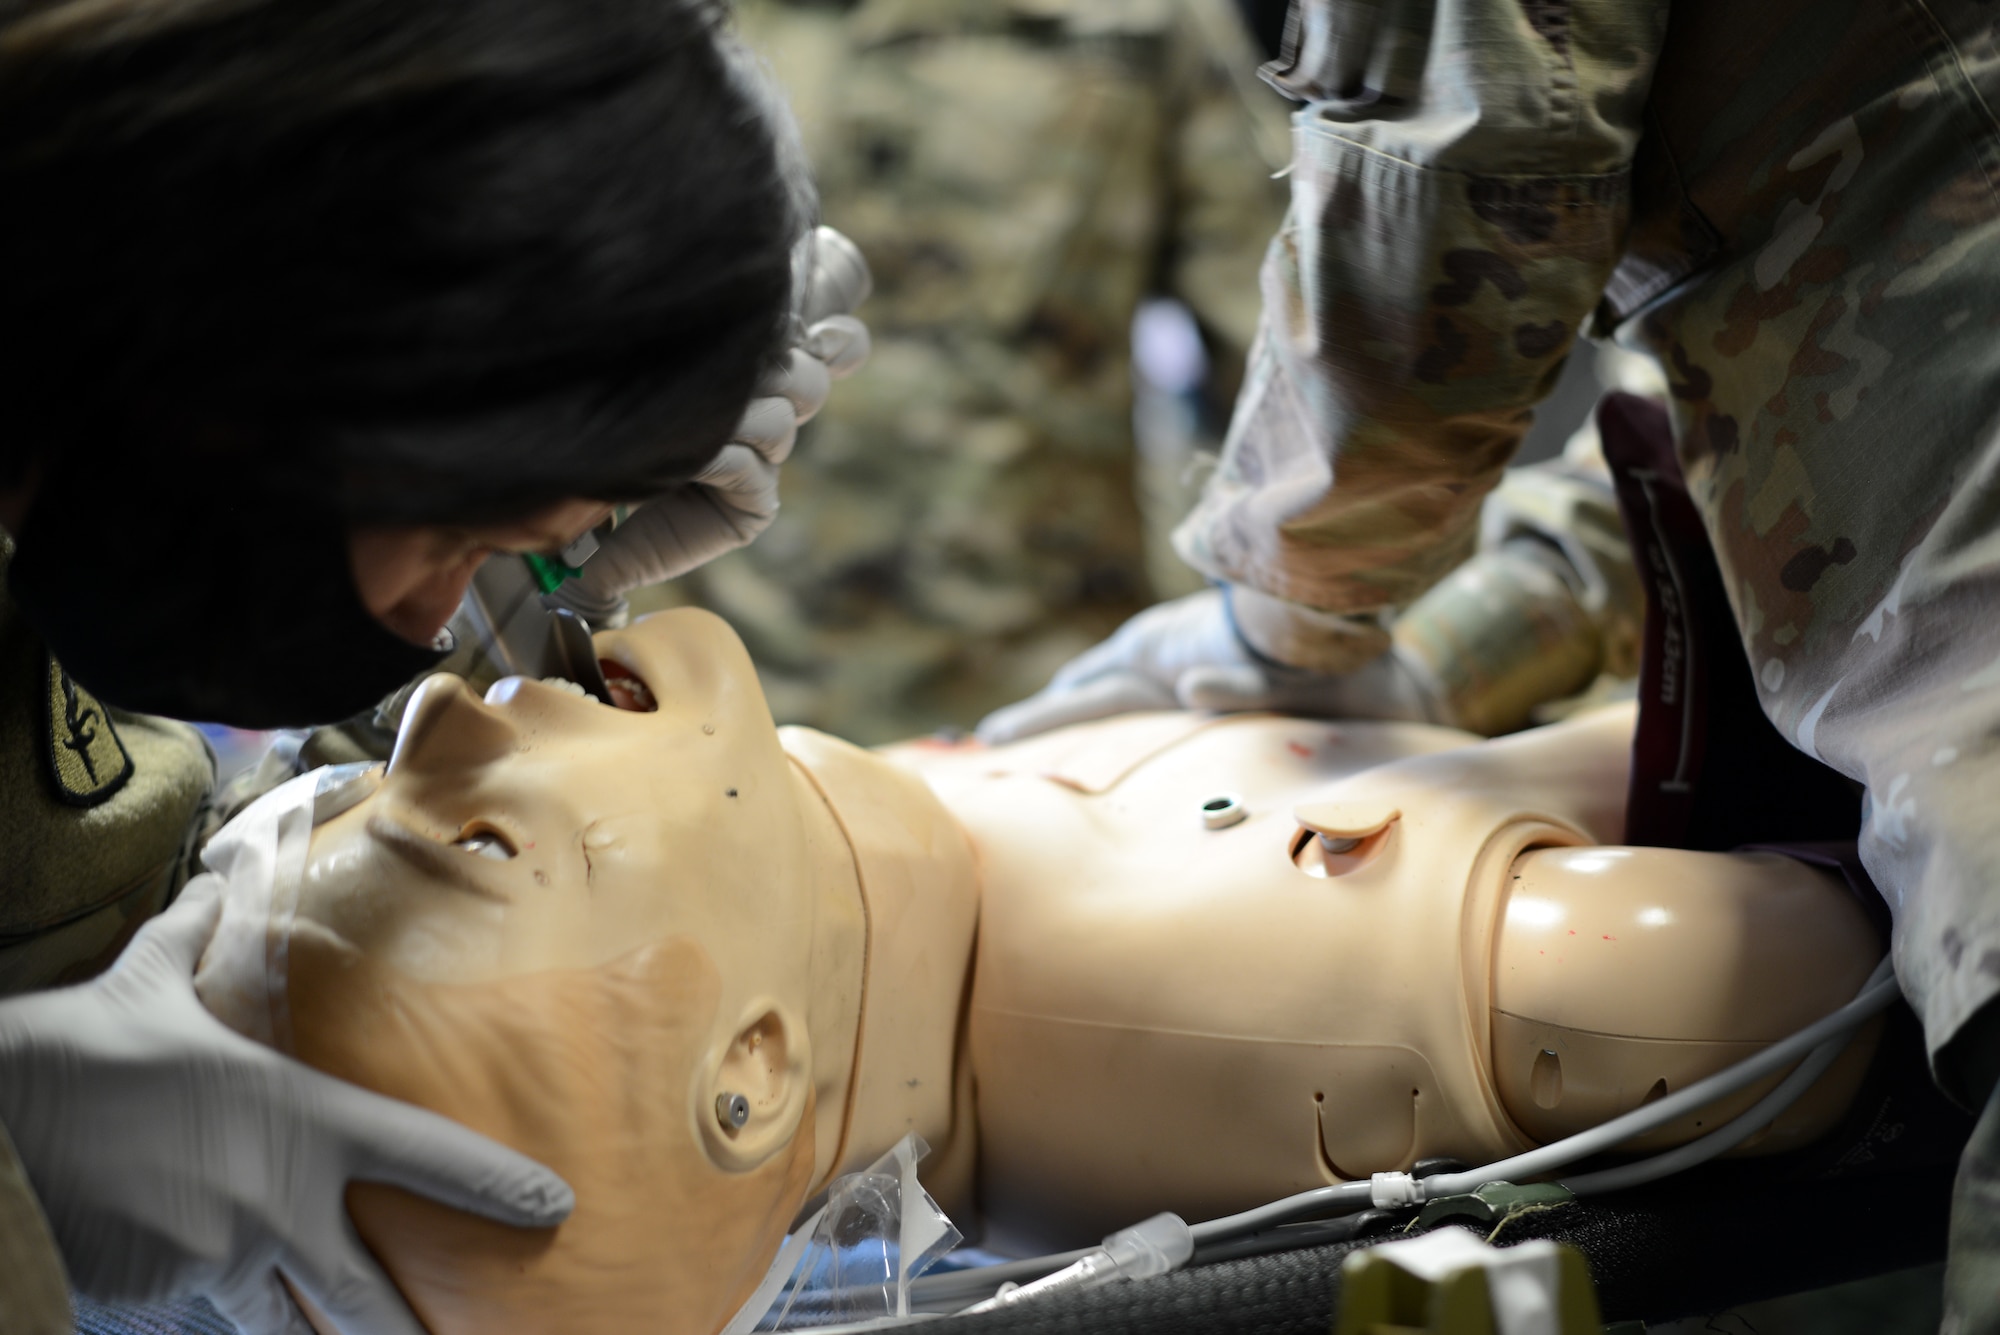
220	601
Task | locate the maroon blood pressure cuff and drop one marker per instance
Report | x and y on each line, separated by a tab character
1709	771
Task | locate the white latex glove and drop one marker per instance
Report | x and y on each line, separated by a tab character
736	497
727	505
1186	654
173	1156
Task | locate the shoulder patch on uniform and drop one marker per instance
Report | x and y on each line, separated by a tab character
86	756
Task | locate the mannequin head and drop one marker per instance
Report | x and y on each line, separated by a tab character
601	923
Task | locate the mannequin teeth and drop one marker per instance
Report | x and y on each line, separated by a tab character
565	684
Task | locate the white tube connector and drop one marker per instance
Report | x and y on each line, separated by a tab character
1151	1247
1391	1191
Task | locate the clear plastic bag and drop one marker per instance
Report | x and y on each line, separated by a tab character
854	1259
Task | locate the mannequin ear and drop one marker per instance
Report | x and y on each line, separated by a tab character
758	1093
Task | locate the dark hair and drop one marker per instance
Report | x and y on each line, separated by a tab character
445	260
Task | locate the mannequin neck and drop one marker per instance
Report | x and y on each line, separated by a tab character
910	869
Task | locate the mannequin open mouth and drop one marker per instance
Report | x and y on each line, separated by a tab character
627	691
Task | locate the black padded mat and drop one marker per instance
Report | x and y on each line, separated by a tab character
1871	1197
192	1317
1655	1257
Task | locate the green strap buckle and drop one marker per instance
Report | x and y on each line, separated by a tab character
550	572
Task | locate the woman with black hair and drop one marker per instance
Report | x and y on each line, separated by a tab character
308	306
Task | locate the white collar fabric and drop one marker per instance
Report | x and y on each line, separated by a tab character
259	861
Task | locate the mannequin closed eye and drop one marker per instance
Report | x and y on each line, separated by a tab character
451	863
483	842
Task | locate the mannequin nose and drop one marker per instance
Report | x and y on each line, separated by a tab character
446	729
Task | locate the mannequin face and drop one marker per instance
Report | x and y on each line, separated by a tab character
537	829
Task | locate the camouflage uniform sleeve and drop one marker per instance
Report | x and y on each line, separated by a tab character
1460	193
34	1291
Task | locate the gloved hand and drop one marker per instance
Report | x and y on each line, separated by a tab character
174	1156
735	498
1186	654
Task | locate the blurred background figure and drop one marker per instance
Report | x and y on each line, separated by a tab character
1024	176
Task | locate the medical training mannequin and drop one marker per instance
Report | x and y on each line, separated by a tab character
588	932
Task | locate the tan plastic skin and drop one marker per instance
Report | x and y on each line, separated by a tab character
1413	943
